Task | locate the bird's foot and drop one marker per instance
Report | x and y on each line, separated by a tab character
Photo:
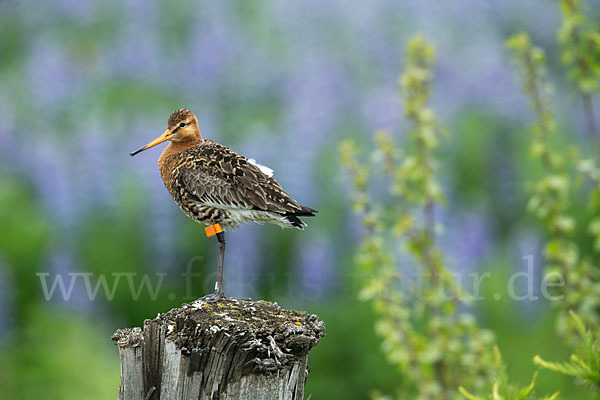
214	297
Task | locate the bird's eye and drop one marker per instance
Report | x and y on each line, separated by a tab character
181	125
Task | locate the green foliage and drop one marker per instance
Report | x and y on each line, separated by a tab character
60	356
580	42
349	348
551	195
530	62
586	365
435	345
503	390
580	47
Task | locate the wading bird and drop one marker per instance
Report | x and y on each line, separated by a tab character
214	185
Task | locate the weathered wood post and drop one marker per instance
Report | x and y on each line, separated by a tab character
235	349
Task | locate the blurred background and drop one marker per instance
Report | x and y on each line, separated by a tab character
83	83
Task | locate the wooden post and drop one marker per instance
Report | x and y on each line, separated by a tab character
235	349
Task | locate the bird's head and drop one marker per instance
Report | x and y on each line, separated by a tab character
182	127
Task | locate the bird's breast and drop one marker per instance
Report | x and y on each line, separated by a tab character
167	167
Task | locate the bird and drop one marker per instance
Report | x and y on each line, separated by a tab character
220	188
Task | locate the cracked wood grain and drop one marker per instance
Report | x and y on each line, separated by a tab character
235	349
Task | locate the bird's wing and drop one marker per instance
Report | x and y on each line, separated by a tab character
216	175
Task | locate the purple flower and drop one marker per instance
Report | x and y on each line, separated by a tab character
95	168
316	262
214	48
79	11
242	260
7	305
62	266
50	171
466	241
8	145
381	109
49	73
137	54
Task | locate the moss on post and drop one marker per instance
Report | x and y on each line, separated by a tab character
235	349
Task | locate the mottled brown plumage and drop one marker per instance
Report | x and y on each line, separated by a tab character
213	184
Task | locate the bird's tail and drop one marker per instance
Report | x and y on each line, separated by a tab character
304	211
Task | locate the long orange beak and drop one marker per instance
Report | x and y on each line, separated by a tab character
162	138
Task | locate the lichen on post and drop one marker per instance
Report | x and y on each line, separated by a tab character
234	349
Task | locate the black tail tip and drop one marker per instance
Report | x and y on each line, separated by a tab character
295	221
306	212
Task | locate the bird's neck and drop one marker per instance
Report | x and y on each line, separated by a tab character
165	161
178	147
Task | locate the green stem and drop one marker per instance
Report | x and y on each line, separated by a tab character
591	121
538	106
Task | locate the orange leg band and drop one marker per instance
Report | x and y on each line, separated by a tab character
213	230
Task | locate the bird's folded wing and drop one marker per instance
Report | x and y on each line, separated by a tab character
216	175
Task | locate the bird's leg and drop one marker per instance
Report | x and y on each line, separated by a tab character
219	294
219	285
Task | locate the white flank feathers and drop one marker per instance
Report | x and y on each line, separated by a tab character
264	169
